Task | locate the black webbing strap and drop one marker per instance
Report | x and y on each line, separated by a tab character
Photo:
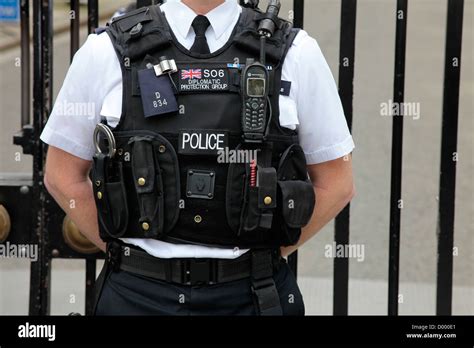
266	296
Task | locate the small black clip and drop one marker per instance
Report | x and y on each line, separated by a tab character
136	31
114	253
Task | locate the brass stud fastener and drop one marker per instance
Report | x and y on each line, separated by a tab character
145	226
99	195
162	148
197	219
141	181
267	200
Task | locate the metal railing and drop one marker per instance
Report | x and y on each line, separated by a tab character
46	215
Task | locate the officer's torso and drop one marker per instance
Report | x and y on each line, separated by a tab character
177	175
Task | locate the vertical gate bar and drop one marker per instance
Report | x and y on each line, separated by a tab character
447	181
298	22
90	285
92	15
298	13
25	62
92	24
40	275
397	152
346	93
75	27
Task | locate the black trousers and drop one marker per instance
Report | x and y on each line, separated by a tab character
125	293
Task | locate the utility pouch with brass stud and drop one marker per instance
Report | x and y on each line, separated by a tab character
148	182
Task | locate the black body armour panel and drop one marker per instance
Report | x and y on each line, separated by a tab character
177	176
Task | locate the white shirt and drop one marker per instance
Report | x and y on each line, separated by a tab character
93	88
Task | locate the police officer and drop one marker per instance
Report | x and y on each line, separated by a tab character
210	129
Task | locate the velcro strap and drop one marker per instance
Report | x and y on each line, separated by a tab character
267	187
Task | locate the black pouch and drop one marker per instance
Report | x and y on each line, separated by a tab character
292	164
235	193
243	213
297	202
250	214
110	196
156	182
250	209
259	204
296	194
148	186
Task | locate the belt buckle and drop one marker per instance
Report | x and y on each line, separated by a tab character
199	272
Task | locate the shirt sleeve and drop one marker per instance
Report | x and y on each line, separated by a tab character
76	110
321	124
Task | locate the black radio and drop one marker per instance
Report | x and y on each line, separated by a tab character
255	81
254	100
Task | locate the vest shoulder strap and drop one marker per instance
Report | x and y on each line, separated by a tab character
126	21
128	32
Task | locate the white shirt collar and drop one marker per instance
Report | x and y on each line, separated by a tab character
183	17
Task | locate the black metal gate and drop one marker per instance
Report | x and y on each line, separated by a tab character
36	218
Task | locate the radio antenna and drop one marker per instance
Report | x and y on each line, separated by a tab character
267	25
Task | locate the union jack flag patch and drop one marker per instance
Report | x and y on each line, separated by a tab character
191	74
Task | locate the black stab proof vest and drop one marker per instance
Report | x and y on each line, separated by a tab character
183	175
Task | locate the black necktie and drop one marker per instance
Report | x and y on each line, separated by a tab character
200	25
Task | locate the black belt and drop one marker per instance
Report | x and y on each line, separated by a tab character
189	271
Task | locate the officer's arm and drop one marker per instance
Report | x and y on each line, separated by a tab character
67	180
334	188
